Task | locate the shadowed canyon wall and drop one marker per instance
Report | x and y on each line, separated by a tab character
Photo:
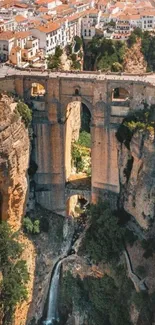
138	188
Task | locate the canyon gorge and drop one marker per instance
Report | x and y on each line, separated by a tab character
47	174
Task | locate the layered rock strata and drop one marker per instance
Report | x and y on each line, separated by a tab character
14	160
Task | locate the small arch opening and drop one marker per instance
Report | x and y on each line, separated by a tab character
77	93
76	206
120	94
37	91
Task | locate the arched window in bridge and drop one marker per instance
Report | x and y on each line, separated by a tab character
120	94
37	90
77	92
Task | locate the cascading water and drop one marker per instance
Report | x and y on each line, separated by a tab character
52	311
52	307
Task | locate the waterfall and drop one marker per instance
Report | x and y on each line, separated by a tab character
52	312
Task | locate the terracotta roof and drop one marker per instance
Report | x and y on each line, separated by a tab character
49	27
20	5
22	34
41	2
76	16
47	17
6	35
20	19
42	9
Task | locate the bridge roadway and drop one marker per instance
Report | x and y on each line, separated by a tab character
10	71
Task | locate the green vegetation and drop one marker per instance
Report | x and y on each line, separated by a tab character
104	238
78	43
132	39
84	139
80	55
141	120
31	227
106	301
145	305
75	63
80	156
24	111
54	61
141	271
148	49
81	153
14	273
149	247
105	54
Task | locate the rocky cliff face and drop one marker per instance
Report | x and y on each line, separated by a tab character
14	162
134	61
137	178
14	159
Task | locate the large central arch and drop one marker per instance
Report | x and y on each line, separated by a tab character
75	110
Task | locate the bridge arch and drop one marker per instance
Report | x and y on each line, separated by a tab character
120	94
34	87
77	120
76	202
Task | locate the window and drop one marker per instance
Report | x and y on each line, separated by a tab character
89	32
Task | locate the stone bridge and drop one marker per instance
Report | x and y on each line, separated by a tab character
109	99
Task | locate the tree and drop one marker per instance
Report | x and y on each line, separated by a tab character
58	51
14	271
10	249
103	240
78	43
138	32
116	67
31	227
24	111
132	39
54	61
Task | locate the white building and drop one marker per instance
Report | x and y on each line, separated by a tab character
89	23
7	25
50	35
147	22
6	44
50	4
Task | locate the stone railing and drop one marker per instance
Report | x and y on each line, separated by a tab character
98	72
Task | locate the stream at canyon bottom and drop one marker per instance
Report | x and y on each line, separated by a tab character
52	317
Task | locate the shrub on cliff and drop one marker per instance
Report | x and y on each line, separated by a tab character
54	61
24	111
14	271
78	43
31	227
104	238
103	300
